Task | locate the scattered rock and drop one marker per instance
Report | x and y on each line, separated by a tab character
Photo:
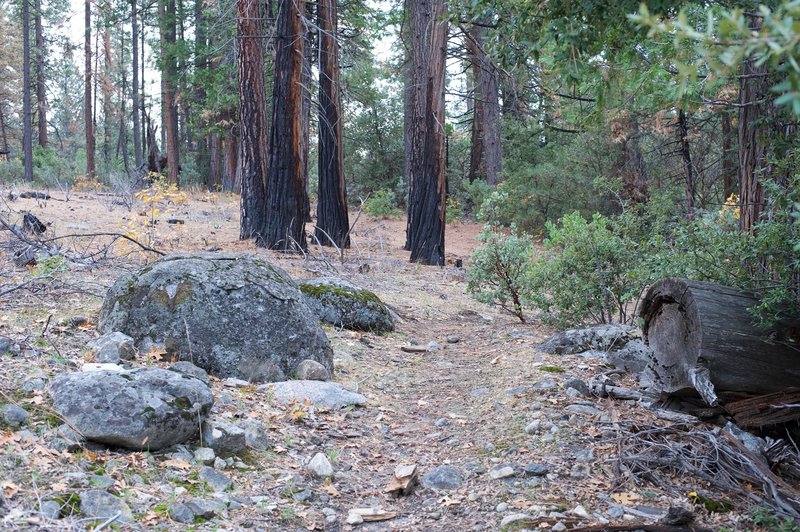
502	507
223	436
547	384
533	427
78	321
184	367
99	504
578	385
536	470
433	346
584	410
311	370
601	337
233	315
205	509
14	415
559	527
5	345
113	347
344	304
580	471
255	436
616	512
33	385
322	394
147	408
517	522
216	481
320	467
442	478
581	512
50	509
204	455
501	471
101	482
632	357
181	513
453	339
442	421
404	480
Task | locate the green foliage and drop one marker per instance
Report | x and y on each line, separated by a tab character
499	271
50	265
382	204
769	520
11	171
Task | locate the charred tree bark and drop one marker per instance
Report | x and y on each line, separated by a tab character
138	155
286	211
229	183
688	169
252	142
305	83
752	92
333	225
87	94
427	177
703	339
169	74
486	151
5	151
27	121
41	93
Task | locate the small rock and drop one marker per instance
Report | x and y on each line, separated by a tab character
516	522
223	436
489	447
517	390
547	384
579	386
113	347
579	471
204	455
50	509
311	370
320	467
581	512
323	394
536	470
533	427
502	507
615	512
442	478
354	519
501	471
584	455
585	410
14	415
479	392
100	482
302	495
434	346
205	509
559	527
219	464
453	339
99	504
180	512
33	385
5	345
233	382
254	435
78	320
184	367
442	421
215	480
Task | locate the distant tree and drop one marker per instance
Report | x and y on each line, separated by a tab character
333	225
41	86
425	119
138	153
486	152
169	75
27	125
87	94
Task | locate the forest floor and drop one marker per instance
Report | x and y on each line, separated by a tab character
466	405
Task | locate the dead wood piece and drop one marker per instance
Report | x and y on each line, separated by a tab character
766	410
25	257
34	195
404	480
599	385
414	349
32	224
677	417
643	528
703	339
372	514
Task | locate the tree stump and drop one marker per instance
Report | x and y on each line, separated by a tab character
703	339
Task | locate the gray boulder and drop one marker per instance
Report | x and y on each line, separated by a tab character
600	337
148	408
632	357
322	394
343	304
99	504
310	370
223	436
232	315
442	478
113	347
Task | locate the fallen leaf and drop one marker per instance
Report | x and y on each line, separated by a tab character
9	488
177	463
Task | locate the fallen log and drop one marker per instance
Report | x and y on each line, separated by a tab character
766	410
703	339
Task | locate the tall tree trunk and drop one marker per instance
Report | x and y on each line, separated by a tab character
286	212
229	183
634	171
409	95
106	83
688	169
87	94
169	74
5	152
729	184
41	93
214	181
252	141
201	63
332	221
752	92
428	194
137	132
27	121
305	83
142	93
486	153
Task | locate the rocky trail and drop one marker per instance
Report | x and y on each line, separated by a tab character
503	436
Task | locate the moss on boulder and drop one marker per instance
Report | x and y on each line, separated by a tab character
344	304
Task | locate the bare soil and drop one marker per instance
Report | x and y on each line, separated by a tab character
465	405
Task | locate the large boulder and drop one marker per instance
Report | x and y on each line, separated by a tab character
344	304
146	408
232	315
617	344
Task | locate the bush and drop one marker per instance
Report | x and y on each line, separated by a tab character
382	204
499	272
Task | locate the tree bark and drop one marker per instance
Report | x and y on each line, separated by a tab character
201	64
27	122
427	178
138	154
87	94
752	93
486	152
286	212
703	338
252	111
41	92
688	169
106	84
4	149
729	184
305	83
169	74
333	225
214	181
229	182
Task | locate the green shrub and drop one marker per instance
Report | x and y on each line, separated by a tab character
11	171
382	204
499	272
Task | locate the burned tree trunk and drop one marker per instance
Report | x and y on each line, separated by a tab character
703	338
